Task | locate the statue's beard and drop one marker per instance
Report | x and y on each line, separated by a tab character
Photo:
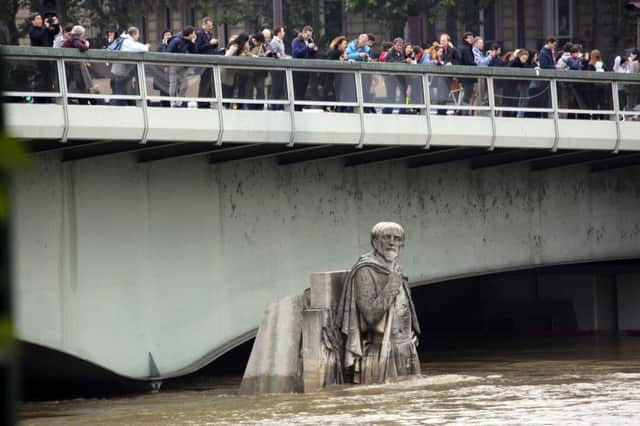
390	254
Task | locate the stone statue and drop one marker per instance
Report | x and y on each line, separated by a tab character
376	314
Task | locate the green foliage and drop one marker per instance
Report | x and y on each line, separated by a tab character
7	341
8	11
100	12
12	156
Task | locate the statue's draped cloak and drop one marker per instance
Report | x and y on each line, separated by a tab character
349	318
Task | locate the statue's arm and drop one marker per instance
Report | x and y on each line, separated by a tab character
371	304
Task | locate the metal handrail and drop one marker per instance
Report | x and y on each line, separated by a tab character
313	64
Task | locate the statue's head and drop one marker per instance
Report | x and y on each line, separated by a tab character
387	238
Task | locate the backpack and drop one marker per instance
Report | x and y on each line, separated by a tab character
116	44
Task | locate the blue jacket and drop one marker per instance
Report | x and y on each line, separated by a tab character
574	64
300	50
179	44
353	51
203	44
546	59
480	58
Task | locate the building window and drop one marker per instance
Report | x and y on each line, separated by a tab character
488	24
559	19
520	27
190	16
563	19
167	19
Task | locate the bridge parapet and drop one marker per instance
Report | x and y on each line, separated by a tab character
66	95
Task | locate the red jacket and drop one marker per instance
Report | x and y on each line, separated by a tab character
77	42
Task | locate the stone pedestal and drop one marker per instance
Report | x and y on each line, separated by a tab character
292	351
274	364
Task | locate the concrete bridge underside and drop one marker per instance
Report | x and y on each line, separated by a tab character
117	259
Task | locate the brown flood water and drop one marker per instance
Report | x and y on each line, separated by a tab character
564	382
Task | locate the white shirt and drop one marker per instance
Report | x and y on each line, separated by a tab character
130	45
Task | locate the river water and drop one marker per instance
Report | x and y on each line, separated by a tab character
560	382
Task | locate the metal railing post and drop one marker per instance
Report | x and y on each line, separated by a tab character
360	99
217	84
426	89
62	84
556	114
292	106
142	89
616	109
492	111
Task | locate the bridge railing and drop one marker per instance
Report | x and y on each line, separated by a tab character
153	80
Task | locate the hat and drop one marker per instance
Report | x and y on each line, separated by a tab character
112	28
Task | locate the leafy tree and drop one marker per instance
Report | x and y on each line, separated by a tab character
100	13
8	11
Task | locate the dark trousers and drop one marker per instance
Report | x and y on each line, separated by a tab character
392	83
539	97
300	83
205	90
120	87
467	84
277	89
256	82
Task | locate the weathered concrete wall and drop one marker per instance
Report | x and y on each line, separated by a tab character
177	258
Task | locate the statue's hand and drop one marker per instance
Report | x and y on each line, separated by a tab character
414	340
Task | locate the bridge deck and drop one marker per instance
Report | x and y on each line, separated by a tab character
64	99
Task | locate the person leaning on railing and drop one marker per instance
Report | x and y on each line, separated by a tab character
255	83
335	82
78	77
76	39
183	42
233	80
124	75
517	91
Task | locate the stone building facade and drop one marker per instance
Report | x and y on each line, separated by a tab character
602	24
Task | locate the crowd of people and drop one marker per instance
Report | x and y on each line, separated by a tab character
516	97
